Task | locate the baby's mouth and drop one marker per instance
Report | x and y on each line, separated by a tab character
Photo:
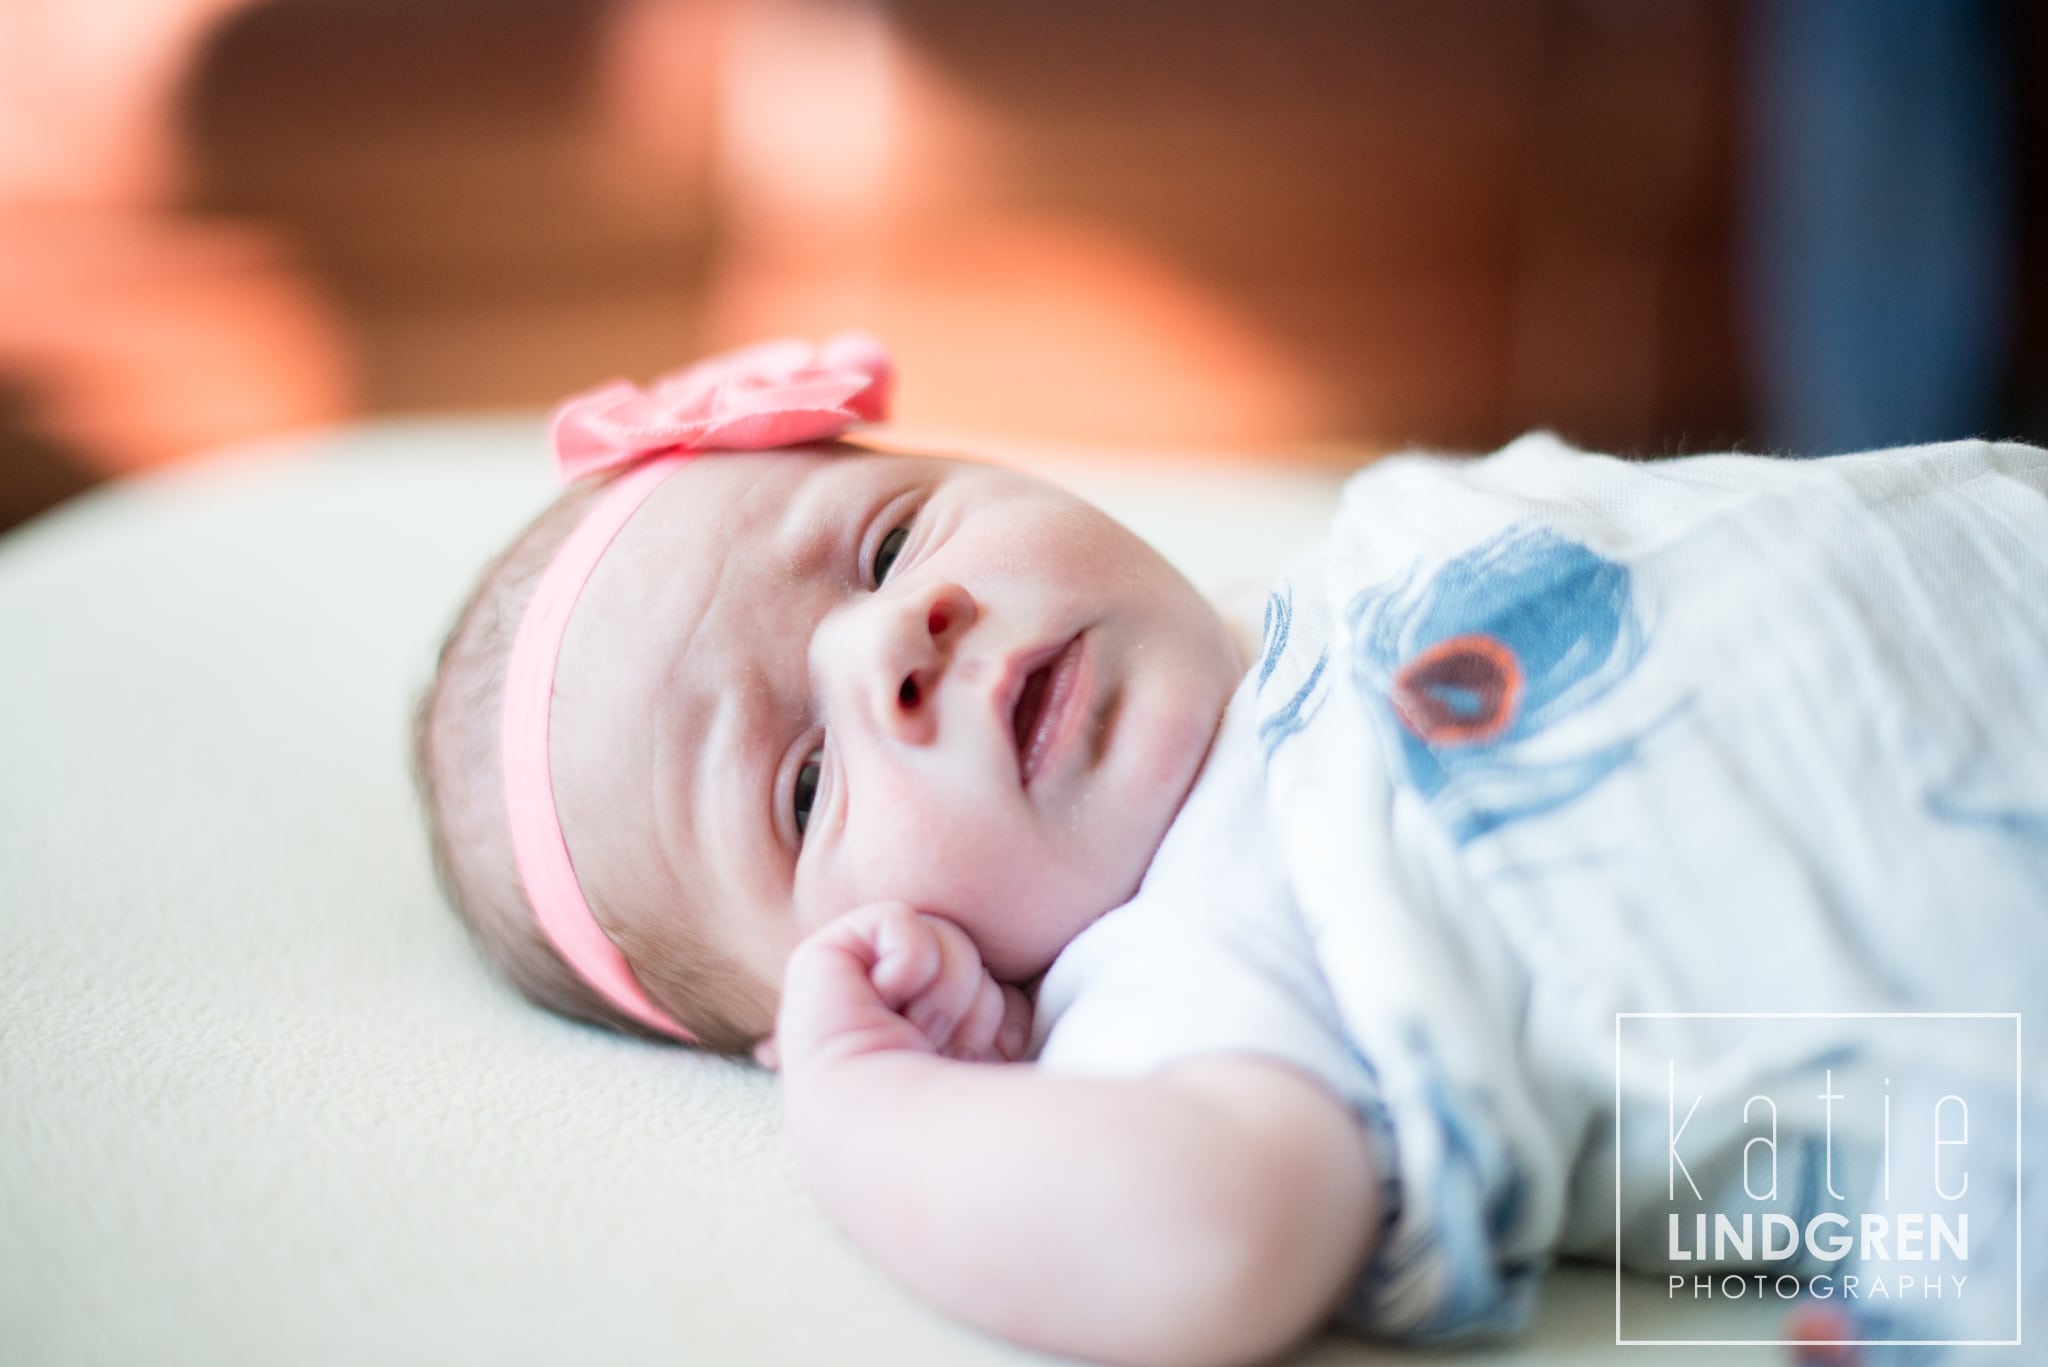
1037	723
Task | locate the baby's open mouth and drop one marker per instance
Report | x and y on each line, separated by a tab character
1038	722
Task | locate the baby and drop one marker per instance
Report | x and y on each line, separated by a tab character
895	772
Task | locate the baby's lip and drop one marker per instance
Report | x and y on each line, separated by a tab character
1031	708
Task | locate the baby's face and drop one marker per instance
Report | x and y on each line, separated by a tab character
799	682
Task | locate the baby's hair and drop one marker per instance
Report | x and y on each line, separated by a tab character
456	767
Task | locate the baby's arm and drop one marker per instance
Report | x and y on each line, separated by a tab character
1210	1214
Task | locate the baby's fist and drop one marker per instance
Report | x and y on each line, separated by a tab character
885	976
928	971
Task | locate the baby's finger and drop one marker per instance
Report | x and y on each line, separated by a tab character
1001	1024
908	955
829	1001
975	1038
943	1006
1013	1041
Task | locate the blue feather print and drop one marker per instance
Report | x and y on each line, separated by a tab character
1500	643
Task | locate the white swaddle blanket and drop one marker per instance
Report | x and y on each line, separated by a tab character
1572	737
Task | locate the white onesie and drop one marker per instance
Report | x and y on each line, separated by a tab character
1547	737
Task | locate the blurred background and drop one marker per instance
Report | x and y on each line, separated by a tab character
1297	227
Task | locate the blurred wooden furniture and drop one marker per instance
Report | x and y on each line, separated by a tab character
1274	226
1244	225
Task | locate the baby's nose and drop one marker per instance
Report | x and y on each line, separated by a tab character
920	636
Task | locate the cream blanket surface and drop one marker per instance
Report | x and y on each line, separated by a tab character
260	1101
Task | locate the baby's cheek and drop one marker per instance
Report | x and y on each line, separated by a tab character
873	859
911	826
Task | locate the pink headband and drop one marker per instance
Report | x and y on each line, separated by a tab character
777	394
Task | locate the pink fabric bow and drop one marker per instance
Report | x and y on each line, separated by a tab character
774	394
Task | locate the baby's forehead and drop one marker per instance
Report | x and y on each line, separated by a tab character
725	539
754	485
760	493
785	510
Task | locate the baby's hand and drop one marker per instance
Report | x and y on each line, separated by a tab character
885	977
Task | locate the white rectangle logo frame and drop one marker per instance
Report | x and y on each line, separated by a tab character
2018	1072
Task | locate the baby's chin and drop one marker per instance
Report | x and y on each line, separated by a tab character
1055	924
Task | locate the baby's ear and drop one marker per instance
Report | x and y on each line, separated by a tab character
767	1055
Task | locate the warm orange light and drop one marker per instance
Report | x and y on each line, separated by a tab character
144	340
136	336
867	188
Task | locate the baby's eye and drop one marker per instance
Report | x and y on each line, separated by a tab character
807	788
886	553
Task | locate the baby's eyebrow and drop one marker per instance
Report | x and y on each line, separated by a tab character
731	820
808	535
685	741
